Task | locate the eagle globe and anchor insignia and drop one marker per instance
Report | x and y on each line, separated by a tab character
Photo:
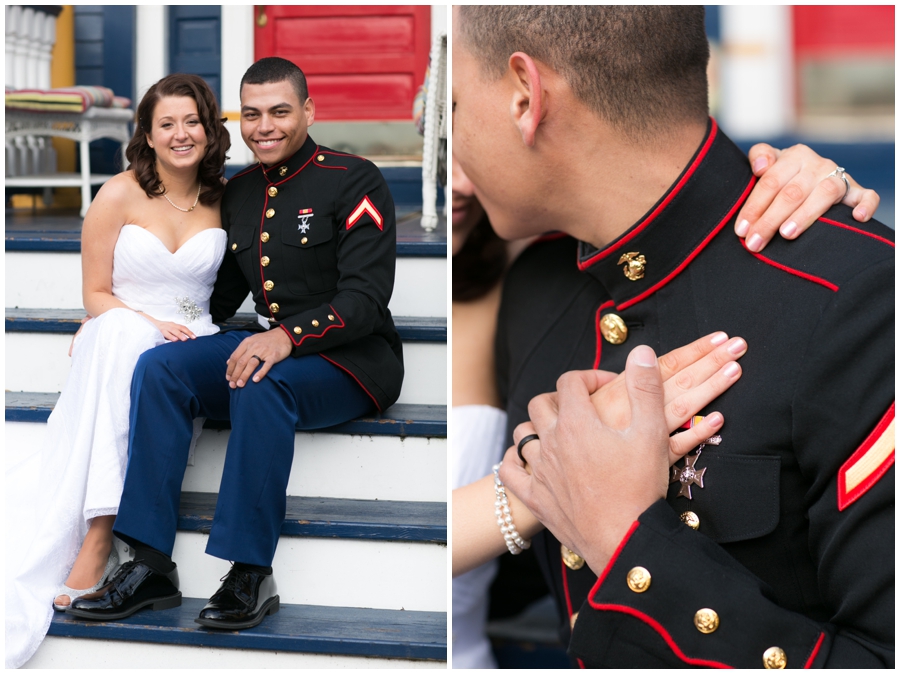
635	265
689	474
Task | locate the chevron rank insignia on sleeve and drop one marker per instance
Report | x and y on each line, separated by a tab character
868	463
365	206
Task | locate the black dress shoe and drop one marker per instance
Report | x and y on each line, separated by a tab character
133	586
245	598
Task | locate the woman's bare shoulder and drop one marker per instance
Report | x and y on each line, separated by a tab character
114	205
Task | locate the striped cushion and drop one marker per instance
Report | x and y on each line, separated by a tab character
70	99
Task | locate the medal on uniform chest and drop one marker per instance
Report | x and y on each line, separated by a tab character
690	474
305	215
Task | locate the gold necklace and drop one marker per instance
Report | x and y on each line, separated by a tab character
185	210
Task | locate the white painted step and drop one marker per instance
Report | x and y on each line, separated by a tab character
65	653
53	279
40	362
332	572
325	464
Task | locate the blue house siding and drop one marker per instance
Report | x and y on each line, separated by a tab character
104	56
195	43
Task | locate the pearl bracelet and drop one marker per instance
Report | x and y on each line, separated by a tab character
514	540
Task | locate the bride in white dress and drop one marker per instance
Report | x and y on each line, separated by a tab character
151	246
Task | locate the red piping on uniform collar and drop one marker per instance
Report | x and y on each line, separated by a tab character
858	231
286	178
680	268
637	229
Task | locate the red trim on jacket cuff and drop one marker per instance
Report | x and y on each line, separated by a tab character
644	295
790	270
868	463
612	560
605	305
858	231
815	651
333	325
341	367
662	206
663	633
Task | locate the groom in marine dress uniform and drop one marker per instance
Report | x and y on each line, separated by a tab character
774	543
311	234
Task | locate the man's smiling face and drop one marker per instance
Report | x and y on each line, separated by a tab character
274	121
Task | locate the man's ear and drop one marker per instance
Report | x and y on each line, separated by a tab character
309	109
526	107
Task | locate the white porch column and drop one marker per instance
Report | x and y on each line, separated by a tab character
237	56
757	71
152	39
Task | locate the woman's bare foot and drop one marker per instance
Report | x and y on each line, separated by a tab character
92	557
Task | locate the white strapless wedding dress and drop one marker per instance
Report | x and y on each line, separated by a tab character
78	473
476	444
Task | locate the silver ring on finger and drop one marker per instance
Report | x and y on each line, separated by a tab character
839	172
524	441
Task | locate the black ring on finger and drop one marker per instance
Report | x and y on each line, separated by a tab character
261	361
523	442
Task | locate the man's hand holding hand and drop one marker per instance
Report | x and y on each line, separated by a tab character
589	481
267	347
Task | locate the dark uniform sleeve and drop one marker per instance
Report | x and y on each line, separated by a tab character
229	291
672	594
366	260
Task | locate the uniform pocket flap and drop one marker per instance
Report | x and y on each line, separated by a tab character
739	499
239	239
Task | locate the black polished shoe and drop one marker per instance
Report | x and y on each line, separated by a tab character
133	586
245	598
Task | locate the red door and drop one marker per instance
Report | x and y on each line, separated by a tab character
361	63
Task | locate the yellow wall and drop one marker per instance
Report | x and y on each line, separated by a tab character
62	74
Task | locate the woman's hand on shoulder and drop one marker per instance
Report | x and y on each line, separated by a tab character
793	191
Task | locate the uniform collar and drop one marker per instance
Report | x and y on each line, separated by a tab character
287	169
706	196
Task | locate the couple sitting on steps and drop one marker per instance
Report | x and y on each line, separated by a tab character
169	251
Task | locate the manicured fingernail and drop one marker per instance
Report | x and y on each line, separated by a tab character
256	379
231	384
732	369
715	419
760	164
861	212
788	229
754	243
742	227
738	346
719	338
644	356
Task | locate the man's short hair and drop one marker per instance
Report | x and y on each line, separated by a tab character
275	69
640	68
